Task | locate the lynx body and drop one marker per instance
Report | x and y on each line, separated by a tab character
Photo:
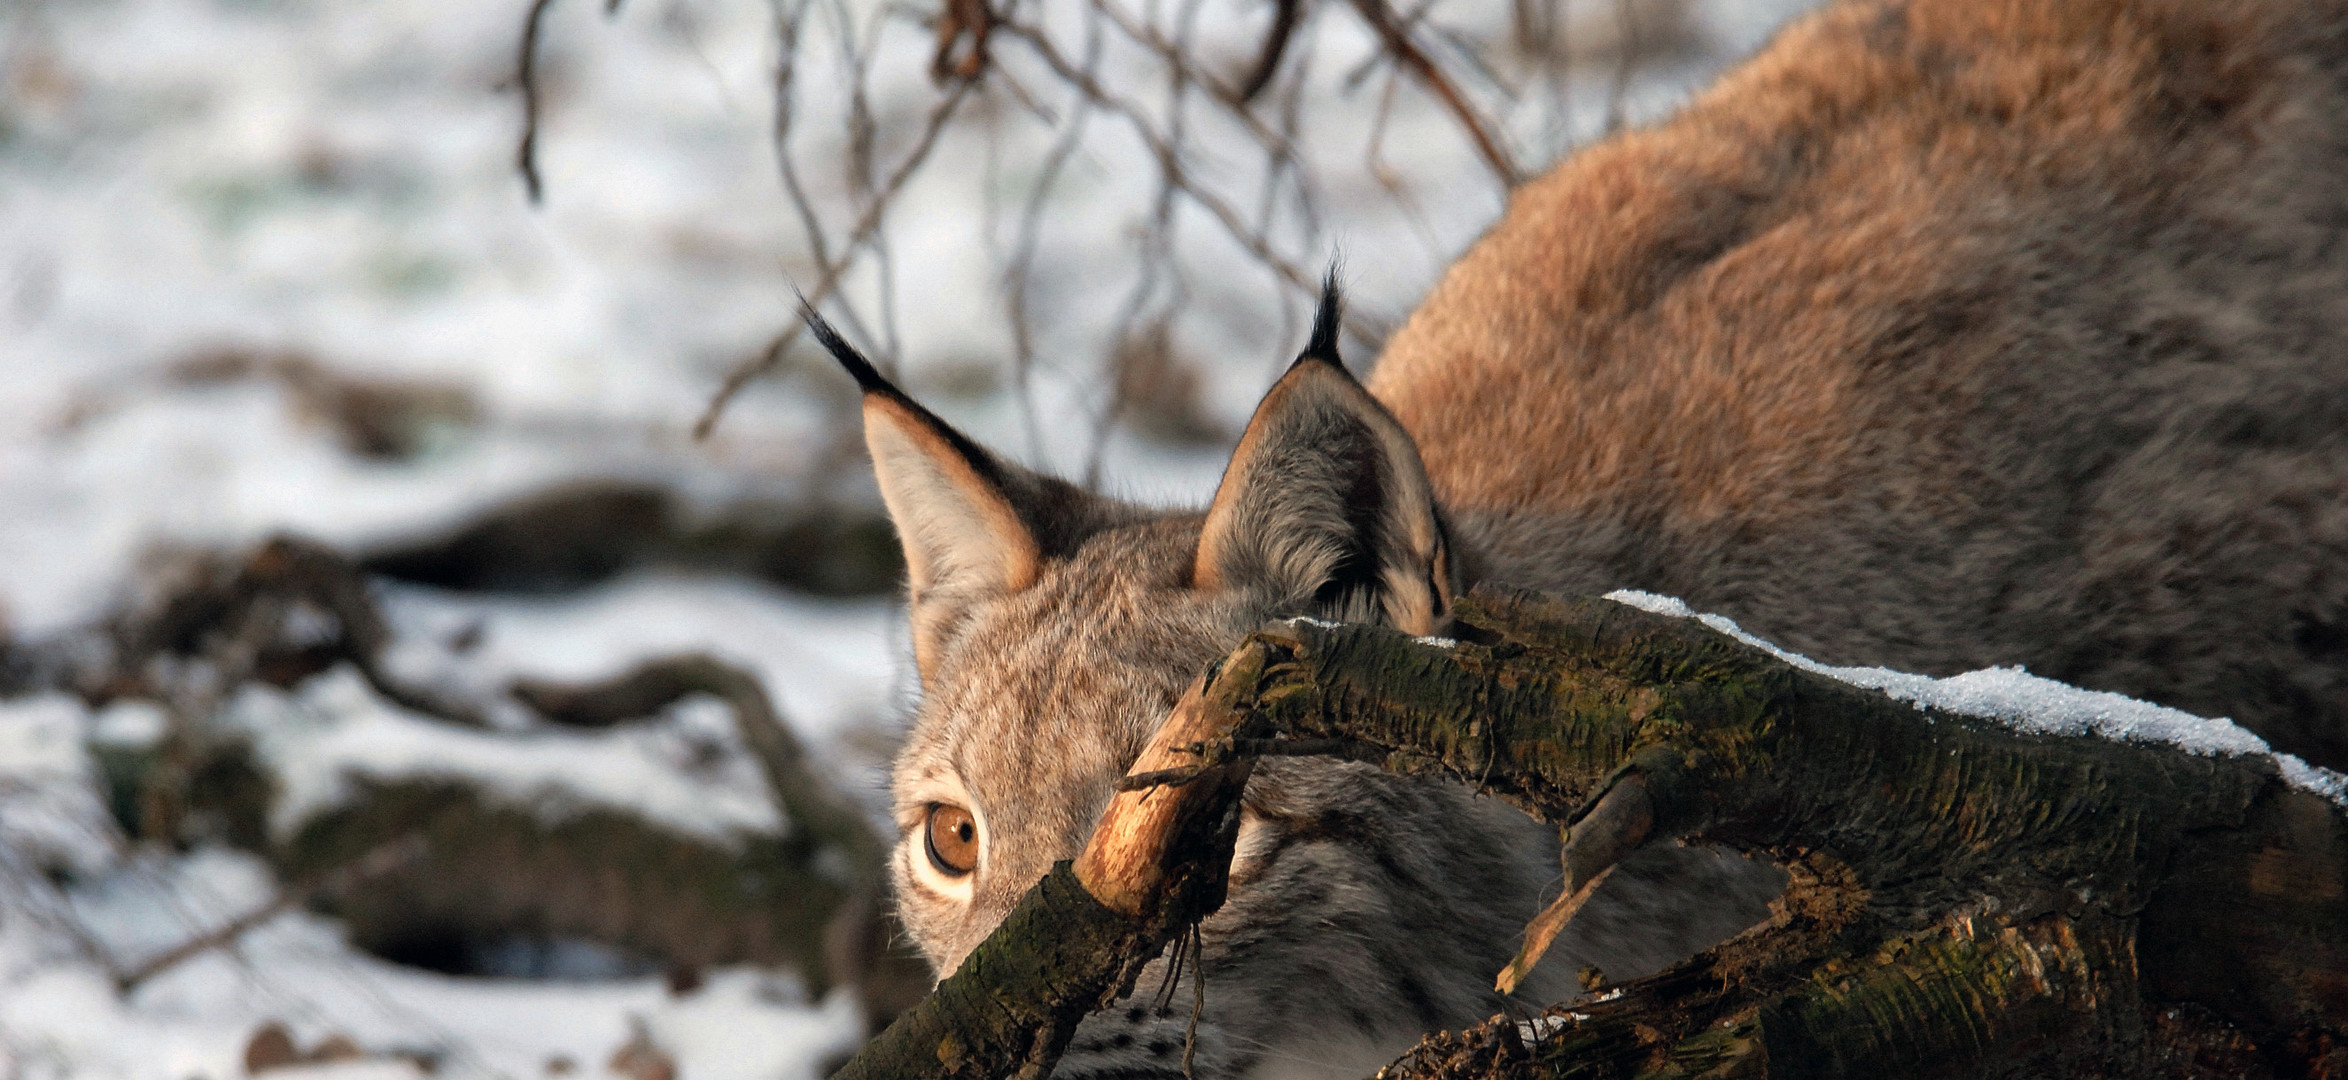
1943	334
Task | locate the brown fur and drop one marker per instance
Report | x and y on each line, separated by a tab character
1943	334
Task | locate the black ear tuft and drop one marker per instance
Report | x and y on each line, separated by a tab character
873	383
867	377
1327	322
1326	509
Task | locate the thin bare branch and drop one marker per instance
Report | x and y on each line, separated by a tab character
526	78
378	861
787	21
1281	147
875	211
1170	162
1021	272
1409	55
960	19
1284	19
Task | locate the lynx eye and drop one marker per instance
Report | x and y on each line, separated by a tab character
952	839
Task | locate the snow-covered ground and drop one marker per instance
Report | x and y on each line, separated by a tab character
331	181
61	1016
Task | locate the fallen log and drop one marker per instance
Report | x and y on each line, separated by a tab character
1967	899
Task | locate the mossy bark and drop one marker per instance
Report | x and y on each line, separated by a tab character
1012	1005
1966	899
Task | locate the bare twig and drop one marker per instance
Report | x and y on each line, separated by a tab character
876	209
961	18
1020	274
1374	162
1187	117
1176	173
378	861
1184	145
1284	16
787	26
1407	53
1279	146
1139	337
787	21
526	78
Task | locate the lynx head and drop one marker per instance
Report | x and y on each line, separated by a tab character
1054	628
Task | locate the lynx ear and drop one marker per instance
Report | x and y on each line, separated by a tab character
1325	505
954	504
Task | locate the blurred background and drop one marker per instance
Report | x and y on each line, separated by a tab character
448	624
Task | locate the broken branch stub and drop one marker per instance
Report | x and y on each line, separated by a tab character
1148	834
1615	827
1156	864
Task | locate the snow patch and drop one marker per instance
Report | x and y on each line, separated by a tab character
50	813
334	729
63	936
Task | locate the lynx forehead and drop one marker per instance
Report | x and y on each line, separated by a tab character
1944	334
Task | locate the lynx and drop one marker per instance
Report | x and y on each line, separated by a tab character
1943	334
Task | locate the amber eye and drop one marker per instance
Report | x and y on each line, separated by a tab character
952	838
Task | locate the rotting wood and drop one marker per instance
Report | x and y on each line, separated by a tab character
1965	899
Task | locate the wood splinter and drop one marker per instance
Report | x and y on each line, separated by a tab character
1615	827
1156	864
1177	794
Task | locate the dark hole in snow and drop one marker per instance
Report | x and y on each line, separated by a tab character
577	534
450	951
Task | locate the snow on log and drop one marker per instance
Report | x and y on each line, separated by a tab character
1970	896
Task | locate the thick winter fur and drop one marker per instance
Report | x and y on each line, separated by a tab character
1944	334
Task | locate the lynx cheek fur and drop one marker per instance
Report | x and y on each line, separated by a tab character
1943	334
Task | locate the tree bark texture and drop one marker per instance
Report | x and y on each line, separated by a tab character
1966	899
